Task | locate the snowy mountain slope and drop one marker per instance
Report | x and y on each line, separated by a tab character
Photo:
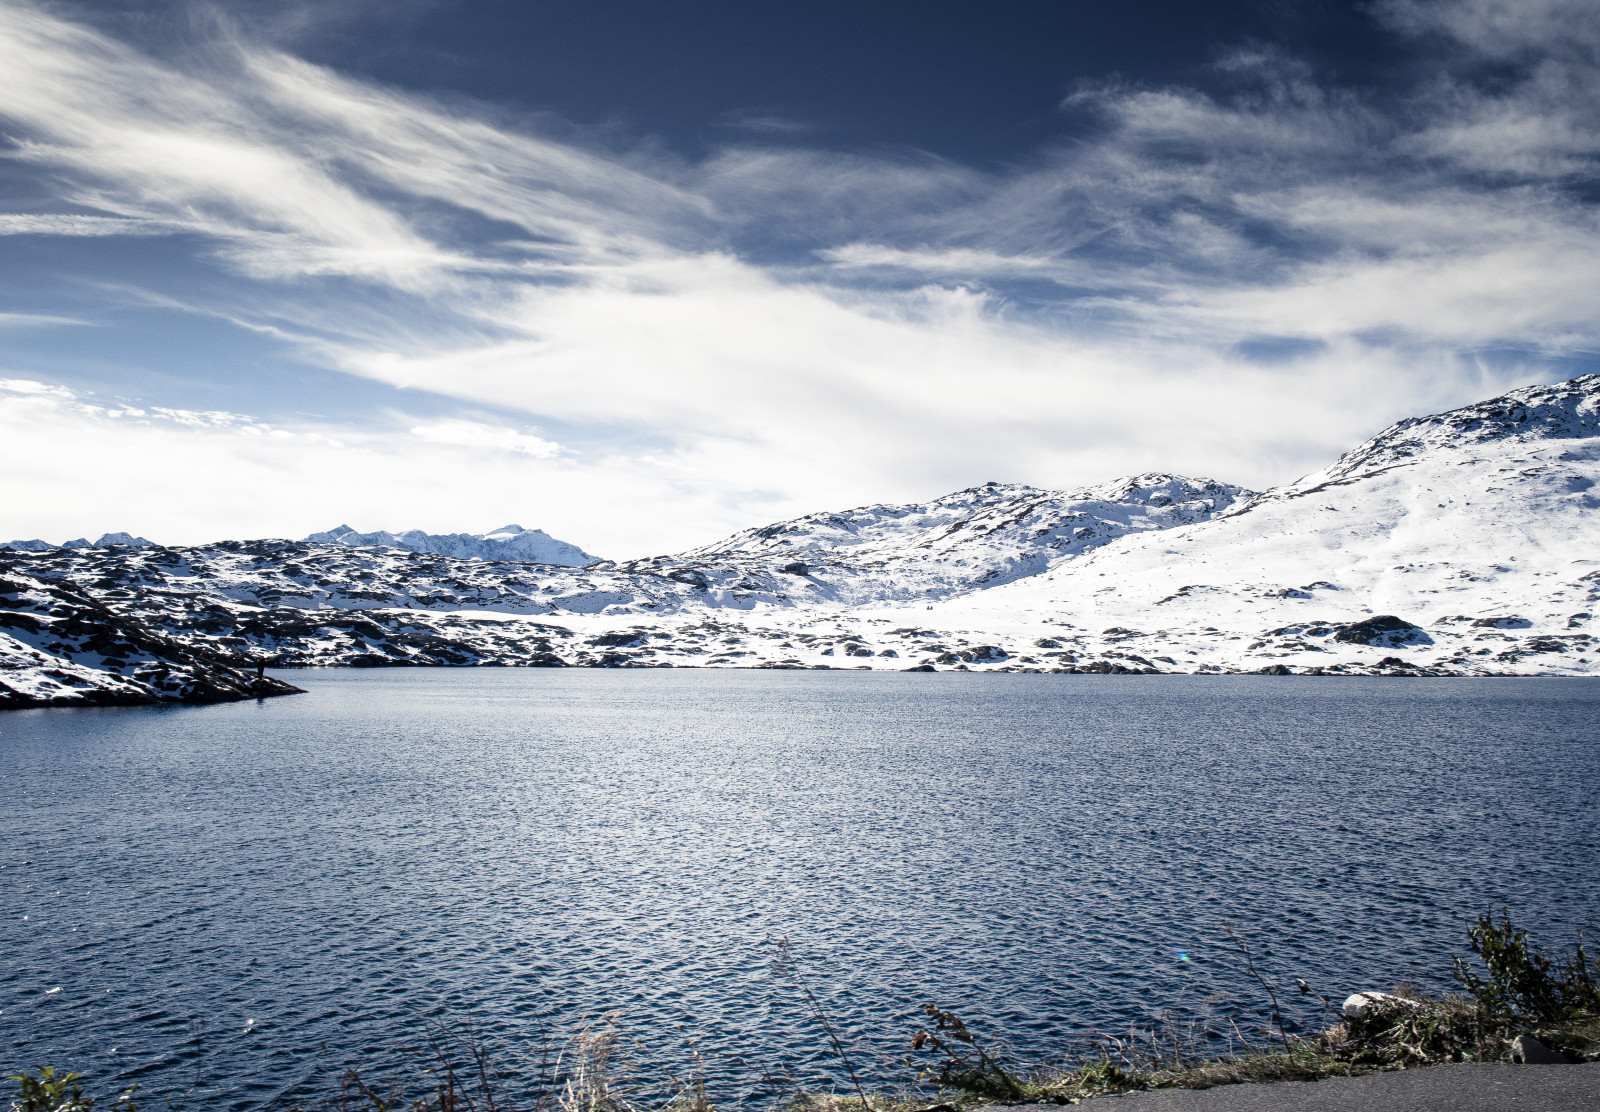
510	542
295	601
1463	543
1477	527
972	539
59	647
1013	515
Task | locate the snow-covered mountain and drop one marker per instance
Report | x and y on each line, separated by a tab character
1459	544
106	539
510	542
1472	535
975	538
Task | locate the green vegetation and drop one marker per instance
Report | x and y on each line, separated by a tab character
49	1093
1509	989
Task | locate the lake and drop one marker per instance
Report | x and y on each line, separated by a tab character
238	901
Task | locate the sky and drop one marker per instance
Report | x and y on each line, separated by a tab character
644	273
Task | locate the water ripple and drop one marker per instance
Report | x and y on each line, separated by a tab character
244	899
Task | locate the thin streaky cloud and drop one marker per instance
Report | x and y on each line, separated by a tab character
39	320
69	224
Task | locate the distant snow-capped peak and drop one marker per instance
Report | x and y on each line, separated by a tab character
509	542
106	539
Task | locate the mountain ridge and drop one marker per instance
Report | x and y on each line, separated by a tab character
509	542
1462	543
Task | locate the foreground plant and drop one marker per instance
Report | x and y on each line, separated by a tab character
49	1093
966	1065
1524	986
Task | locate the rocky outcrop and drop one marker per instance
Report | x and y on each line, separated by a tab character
1386	630
60	647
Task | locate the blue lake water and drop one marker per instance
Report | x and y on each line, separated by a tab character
241	900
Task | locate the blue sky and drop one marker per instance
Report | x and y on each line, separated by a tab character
644	273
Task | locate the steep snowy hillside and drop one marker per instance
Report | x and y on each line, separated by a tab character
970	540
977	537
510	542
1463	542
1013	516
59	647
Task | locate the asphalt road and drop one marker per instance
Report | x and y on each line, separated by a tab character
1468	1087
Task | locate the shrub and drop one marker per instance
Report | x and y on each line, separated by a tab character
49	1093
1525	986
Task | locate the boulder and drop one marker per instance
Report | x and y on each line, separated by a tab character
1359	1004
1385	630
1531	1052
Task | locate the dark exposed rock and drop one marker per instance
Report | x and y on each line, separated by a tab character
1385	630
1529	1051
375	660
619	640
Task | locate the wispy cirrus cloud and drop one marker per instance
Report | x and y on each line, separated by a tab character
68	224
784	328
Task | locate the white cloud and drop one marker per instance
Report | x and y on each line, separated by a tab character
476	434
28	386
